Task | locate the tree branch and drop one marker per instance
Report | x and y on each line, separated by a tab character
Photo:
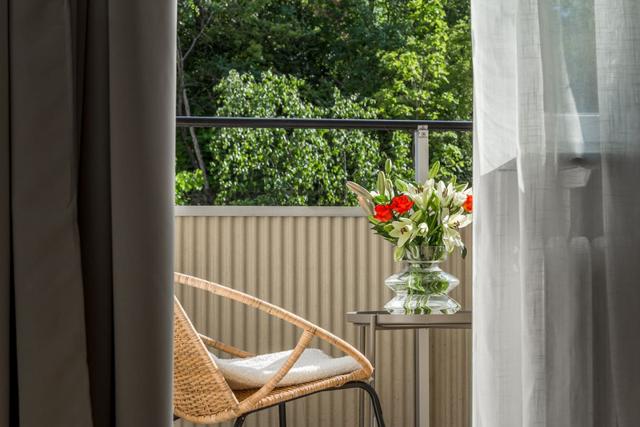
197	37
183	96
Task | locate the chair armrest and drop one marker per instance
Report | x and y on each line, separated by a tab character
229	349
303	342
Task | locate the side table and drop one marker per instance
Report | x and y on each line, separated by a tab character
370	322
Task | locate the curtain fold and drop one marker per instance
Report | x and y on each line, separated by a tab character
618	81
557	156
86	212
5	225
142	37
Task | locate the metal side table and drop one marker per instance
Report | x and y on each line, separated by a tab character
369	322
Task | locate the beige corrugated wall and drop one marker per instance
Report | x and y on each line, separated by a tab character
320	267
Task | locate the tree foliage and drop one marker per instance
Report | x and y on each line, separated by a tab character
315	58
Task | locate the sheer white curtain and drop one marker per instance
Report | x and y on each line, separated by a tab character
557	235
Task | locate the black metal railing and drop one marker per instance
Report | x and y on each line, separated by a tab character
298	123
420	129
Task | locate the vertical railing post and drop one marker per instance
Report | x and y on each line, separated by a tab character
421	152
422	392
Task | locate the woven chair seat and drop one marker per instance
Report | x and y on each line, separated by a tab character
244	373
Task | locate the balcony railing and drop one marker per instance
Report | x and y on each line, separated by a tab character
420	129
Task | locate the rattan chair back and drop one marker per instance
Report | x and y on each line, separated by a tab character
201	394
199	387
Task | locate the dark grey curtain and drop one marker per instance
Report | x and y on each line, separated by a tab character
86	212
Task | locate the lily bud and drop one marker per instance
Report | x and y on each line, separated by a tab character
388	166
366	205
381	183
359	190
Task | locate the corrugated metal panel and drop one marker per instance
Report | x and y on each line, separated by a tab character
319	268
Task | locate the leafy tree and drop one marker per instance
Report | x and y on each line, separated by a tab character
188	184
315	58
430	76
285	167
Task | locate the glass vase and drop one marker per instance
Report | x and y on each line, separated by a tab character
422	287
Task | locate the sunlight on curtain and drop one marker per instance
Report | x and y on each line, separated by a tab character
557	162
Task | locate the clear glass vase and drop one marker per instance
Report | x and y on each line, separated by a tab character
422	287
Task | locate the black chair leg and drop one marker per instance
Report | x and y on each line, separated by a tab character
373	395
375	401
282	415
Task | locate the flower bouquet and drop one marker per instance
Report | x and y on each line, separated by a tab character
423	221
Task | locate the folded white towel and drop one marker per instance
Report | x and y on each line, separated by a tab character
254	372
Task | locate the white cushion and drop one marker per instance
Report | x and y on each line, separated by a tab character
254	372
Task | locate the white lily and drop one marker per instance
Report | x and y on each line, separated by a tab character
458	220
422	199
423	229
445	192
451	239
461	196
429	183
450	225
440	191
411	189
403	230
449	194
419	200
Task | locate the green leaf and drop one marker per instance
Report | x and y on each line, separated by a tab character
381	183
435	168
461	187
381	199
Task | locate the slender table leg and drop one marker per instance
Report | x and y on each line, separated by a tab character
371	341
422	398
362	346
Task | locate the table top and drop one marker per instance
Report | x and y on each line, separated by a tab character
384	320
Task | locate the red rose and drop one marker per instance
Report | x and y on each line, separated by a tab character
383	213
401	204
468	204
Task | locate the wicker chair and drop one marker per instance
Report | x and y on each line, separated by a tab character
201	394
